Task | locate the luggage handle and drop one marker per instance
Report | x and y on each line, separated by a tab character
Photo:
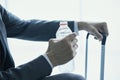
102	56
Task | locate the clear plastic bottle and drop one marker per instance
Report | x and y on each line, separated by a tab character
63	31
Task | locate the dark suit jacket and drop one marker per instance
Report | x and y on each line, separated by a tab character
37	30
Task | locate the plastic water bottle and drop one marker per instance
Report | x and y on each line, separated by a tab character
63	31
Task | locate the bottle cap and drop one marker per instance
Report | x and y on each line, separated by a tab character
63	23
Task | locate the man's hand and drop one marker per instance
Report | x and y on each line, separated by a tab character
94	28
61	51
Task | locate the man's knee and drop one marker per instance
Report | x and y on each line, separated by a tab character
71	76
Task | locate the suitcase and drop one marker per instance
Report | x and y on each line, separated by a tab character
102	57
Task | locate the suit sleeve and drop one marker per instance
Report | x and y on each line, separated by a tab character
34	70
38	30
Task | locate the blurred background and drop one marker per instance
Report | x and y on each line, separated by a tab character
78	10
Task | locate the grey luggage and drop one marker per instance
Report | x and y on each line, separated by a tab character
102	64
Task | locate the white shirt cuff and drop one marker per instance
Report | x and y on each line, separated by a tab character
46	57
76	28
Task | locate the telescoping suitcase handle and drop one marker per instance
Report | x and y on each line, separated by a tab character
102	57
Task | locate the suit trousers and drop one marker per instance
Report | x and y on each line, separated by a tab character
64	76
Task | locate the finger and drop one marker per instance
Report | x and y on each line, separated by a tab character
97	34
74	54
75	46
95	38
51	41
71	37
75	40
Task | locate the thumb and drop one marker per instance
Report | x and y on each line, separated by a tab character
51	41
71	37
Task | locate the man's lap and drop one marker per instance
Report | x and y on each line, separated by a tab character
64	76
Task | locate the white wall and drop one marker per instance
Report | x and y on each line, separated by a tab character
45	9
2	2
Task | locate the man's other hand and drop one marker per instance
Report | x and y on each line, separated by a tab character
61	51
